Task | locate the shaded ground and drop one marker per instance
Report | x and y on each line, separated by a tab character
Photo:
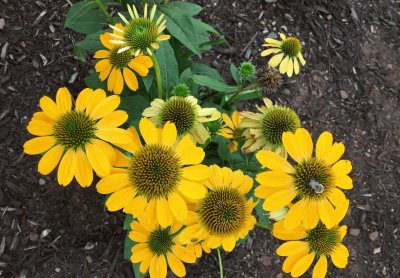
349	86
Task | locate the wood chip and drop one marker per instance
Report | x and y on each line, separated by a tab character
364	207
4	50
2	23
377	250
373	236
354	232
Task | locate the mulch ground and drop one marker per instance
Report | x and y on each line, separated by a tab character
350	86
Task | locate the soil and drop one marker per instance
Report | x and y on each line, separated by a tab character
349	86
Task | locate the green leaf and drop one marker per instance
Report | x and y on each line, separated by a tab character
248	94
91	43
211	83
168	66
79	52
93	81
223	150
234	73
186	8
134	106
203	69
85	17
127	222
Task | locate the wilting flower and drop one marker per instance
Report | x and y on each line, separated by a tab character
313	181
140	34
79	137
288	52
304	245
159	175
157	247
119	67
185	113
232	131
270	79
224	215
264	130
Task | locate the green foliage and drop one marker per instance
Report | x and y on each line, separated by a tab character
212	83
168	65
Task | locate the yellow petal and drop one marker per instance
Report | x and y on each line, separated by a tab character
298	145
320	268
111	79
105	73
296	66
163	213
141	69
270	51
101	54
275	60
196	172
290	261
49	107
228	121
114	135
283	67
228	243
39	144
119	82
130	79
335	153
162	267
274	162
292	247
104	38
105	107
275	179
169	134
84	171
326	213
340	256
40	128
63	99
344	182
140	251
290	67
279	199
148	131
295	215
341	168
136	206
184	254
112	183
191	156
337	197
98	159
302	265
114	119
302	61
120	198
94	99
67	167
82	99
324	144
176	265
341	211
279	231
102	65
311	218
163	37
192	190
50	160
178	206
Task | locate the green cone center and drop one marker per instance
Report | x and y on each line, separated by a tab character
140	33
291	47
181	112
323	241
160	242
120	60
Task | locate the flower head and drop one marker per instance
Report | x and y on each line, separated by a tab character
232	130
305	244
224	215
270	79
120	67
159	175
185	113
140	34
287	53
313	181
77	139
247	70
157	247
264	130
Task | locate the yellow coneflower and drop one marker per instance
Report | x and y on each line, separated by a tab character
232	131
77	139
287	53
159	175
224	215
264	130
185	113
140	34
313	181
304	245
157	247
119	67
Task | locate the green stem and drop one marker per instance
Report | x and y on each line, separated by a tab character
165	2
103	9
264	226
221	268
236	93
158	74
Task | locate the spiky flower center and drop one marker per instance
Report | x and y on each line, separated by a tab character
140	33
160	242
270	79
291	47
323	241
74	129
181	90
180	112
223	211
120	60
247	69
155	171
313	179
276	121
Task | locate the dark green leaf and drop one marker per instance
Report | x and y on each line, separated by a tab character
223	150
93	81
168	66
234	73
203	69
127	222
186	8
213	84
134	106
85	17
91	43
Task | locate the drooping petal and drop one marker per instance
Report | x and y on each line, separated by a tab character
295	215
275	179
50	160
326	213
292	247
112	183
320	268
196	172
63	100
67	167
177	206
98	159
39	144
275	60
176	265
279	199
130	79
120	198
274	161
49	107
84	171
302	265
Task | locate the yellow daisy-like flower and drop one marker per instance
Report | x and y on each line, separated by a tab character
304	245
119	67
224	215
232	131
157	175
157	247
140	34
314	181
287	54
264	130
77	138
185	113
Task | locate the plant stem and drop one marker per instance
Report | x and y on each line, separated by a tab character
264	226
165	2
103	9
158	74
236	93
221	268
